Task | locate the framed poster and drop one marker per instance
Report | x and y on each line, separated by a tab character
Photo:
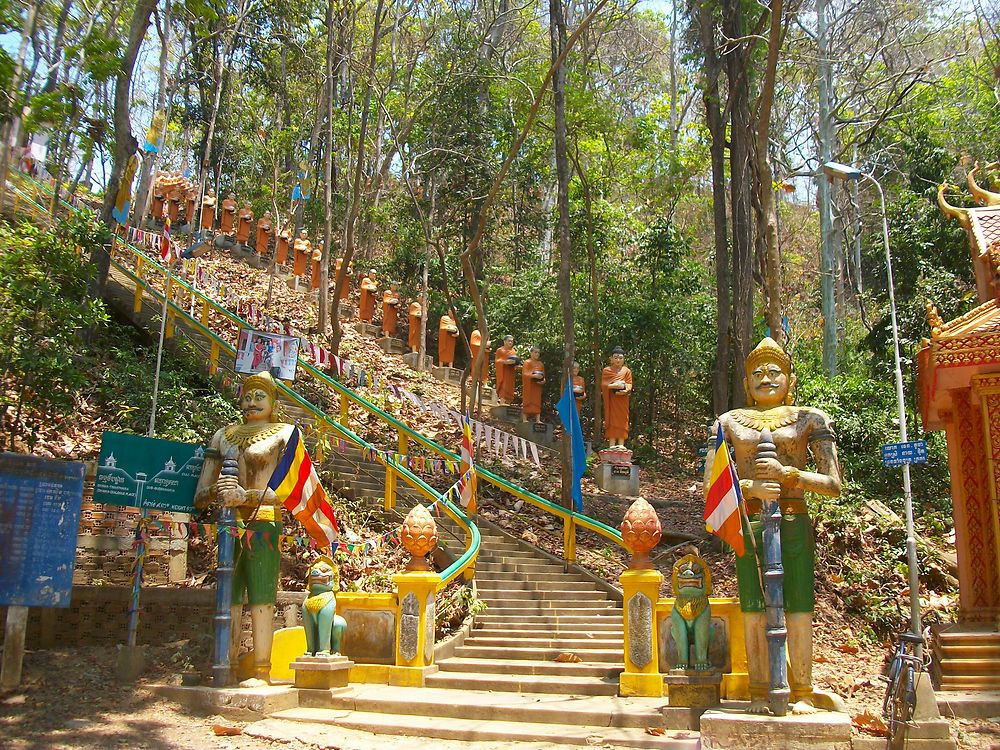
259	351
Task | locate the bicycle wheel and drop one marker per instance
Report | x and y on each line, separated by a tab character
901	699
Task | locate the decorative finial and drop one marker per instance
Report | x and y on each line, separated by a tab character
962	214
934	320
641	531
419	536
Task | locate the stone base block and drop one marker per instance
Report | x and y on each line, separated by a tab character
391	345
410	676
412	359
321	672
732	729
366	329
504	413
541	433
130	664
618	479
450	375
640	684
263	700
693	689
346	310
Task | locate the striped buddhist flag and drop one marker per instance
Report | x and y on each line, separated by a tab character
723	498
166	247
467	478
297	487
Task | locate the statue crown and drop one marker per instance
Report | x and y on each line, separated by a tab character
261	381
768	350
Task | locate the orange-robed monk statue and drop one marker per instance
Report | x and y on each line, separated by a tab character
532	380
413	315
447	336
506	362
616	385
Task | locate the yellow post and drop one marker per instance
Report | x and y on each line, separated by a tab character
389	500
414	628
139	286
569	539
403	443
204	311
213	358
167	291
642	677
470	572
345	402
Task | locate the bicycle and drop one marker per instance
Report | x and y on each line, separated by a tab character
901	688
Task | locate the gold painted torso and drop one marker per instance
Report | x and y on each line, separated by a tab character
791	428
260	450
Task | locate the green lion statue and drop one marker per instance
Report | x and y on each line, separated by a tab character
324	627
692	615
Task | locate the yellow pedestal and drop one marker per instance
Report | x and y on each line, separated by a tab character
641	591
414	628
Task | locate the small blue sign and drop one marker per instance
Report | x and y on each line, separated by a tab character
39	515
898	454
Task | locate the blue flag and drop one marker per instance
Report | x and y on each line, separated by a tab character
574	432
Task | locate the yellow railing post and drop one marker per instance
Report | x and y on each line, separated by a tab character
641	592
213	358
569	539
137	300
167	291
345	402
389	501
414	633
204	311
403	444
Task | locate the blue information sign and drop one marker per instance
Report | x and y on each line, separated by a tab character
897	454
39	515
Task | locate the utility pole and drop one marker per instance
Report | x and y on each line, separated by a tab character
829	238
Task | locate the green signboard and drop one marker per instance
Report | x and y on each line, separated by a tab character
147	473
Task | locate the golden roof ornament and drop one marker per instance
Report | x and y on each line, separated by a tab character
982	196
934	320
961	214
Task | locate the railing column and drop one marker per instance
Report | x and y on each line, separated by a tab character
414	628
569	539
640	592
204	312
345	402
167	292
137	300
389	500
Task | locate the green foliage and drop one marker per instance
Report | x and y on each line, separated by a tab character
43	292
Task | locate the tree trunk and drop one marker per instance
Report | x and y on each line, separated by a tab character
11	128
125	143
149	158
717	131
557	42
324	273
740	179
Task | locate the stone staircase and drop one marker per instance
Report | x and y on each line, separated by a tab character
504	683
966	659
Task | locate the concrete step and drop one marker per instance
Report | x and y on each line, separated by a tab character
439	703
499	575
507	594
526	568
970	667
598	617
477	731
607	639
539	607
608	656
971	682
527	666
520	683
967	651
531	640
550	627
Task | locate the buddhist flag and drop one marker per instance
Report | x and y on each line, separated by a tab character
723	498
573	431
166	247
467	478
297	487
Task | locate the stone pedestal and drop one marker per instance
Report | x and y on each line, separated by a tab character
321	672
391	345
412	359
366	329
541	433
503	413
640	592
450	375
693	689
618	479
346	310
732	729
414	628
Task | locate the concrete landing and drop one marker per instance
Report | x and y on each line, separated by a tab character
730	729
979	704
263	700
312	726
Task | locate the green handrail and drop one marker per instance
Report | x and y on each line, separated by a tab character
564	513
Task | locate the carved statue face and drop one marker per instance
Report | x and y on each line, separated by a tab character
508	341
536	353
322	577
768	384
617	360
576	368
256	405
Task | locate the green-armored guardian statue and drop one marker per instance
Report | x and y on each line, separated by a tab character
324	627
801	436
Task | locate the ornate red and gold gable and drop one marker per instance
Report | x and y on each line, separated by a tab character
959	390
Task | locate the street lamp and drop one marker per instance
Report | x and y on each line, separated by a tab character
836	171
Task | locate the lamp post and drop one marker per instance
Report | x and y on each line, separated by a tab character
836	171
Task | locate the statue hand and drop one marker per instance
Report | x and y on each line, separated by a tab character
769	468
760	490
229	492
